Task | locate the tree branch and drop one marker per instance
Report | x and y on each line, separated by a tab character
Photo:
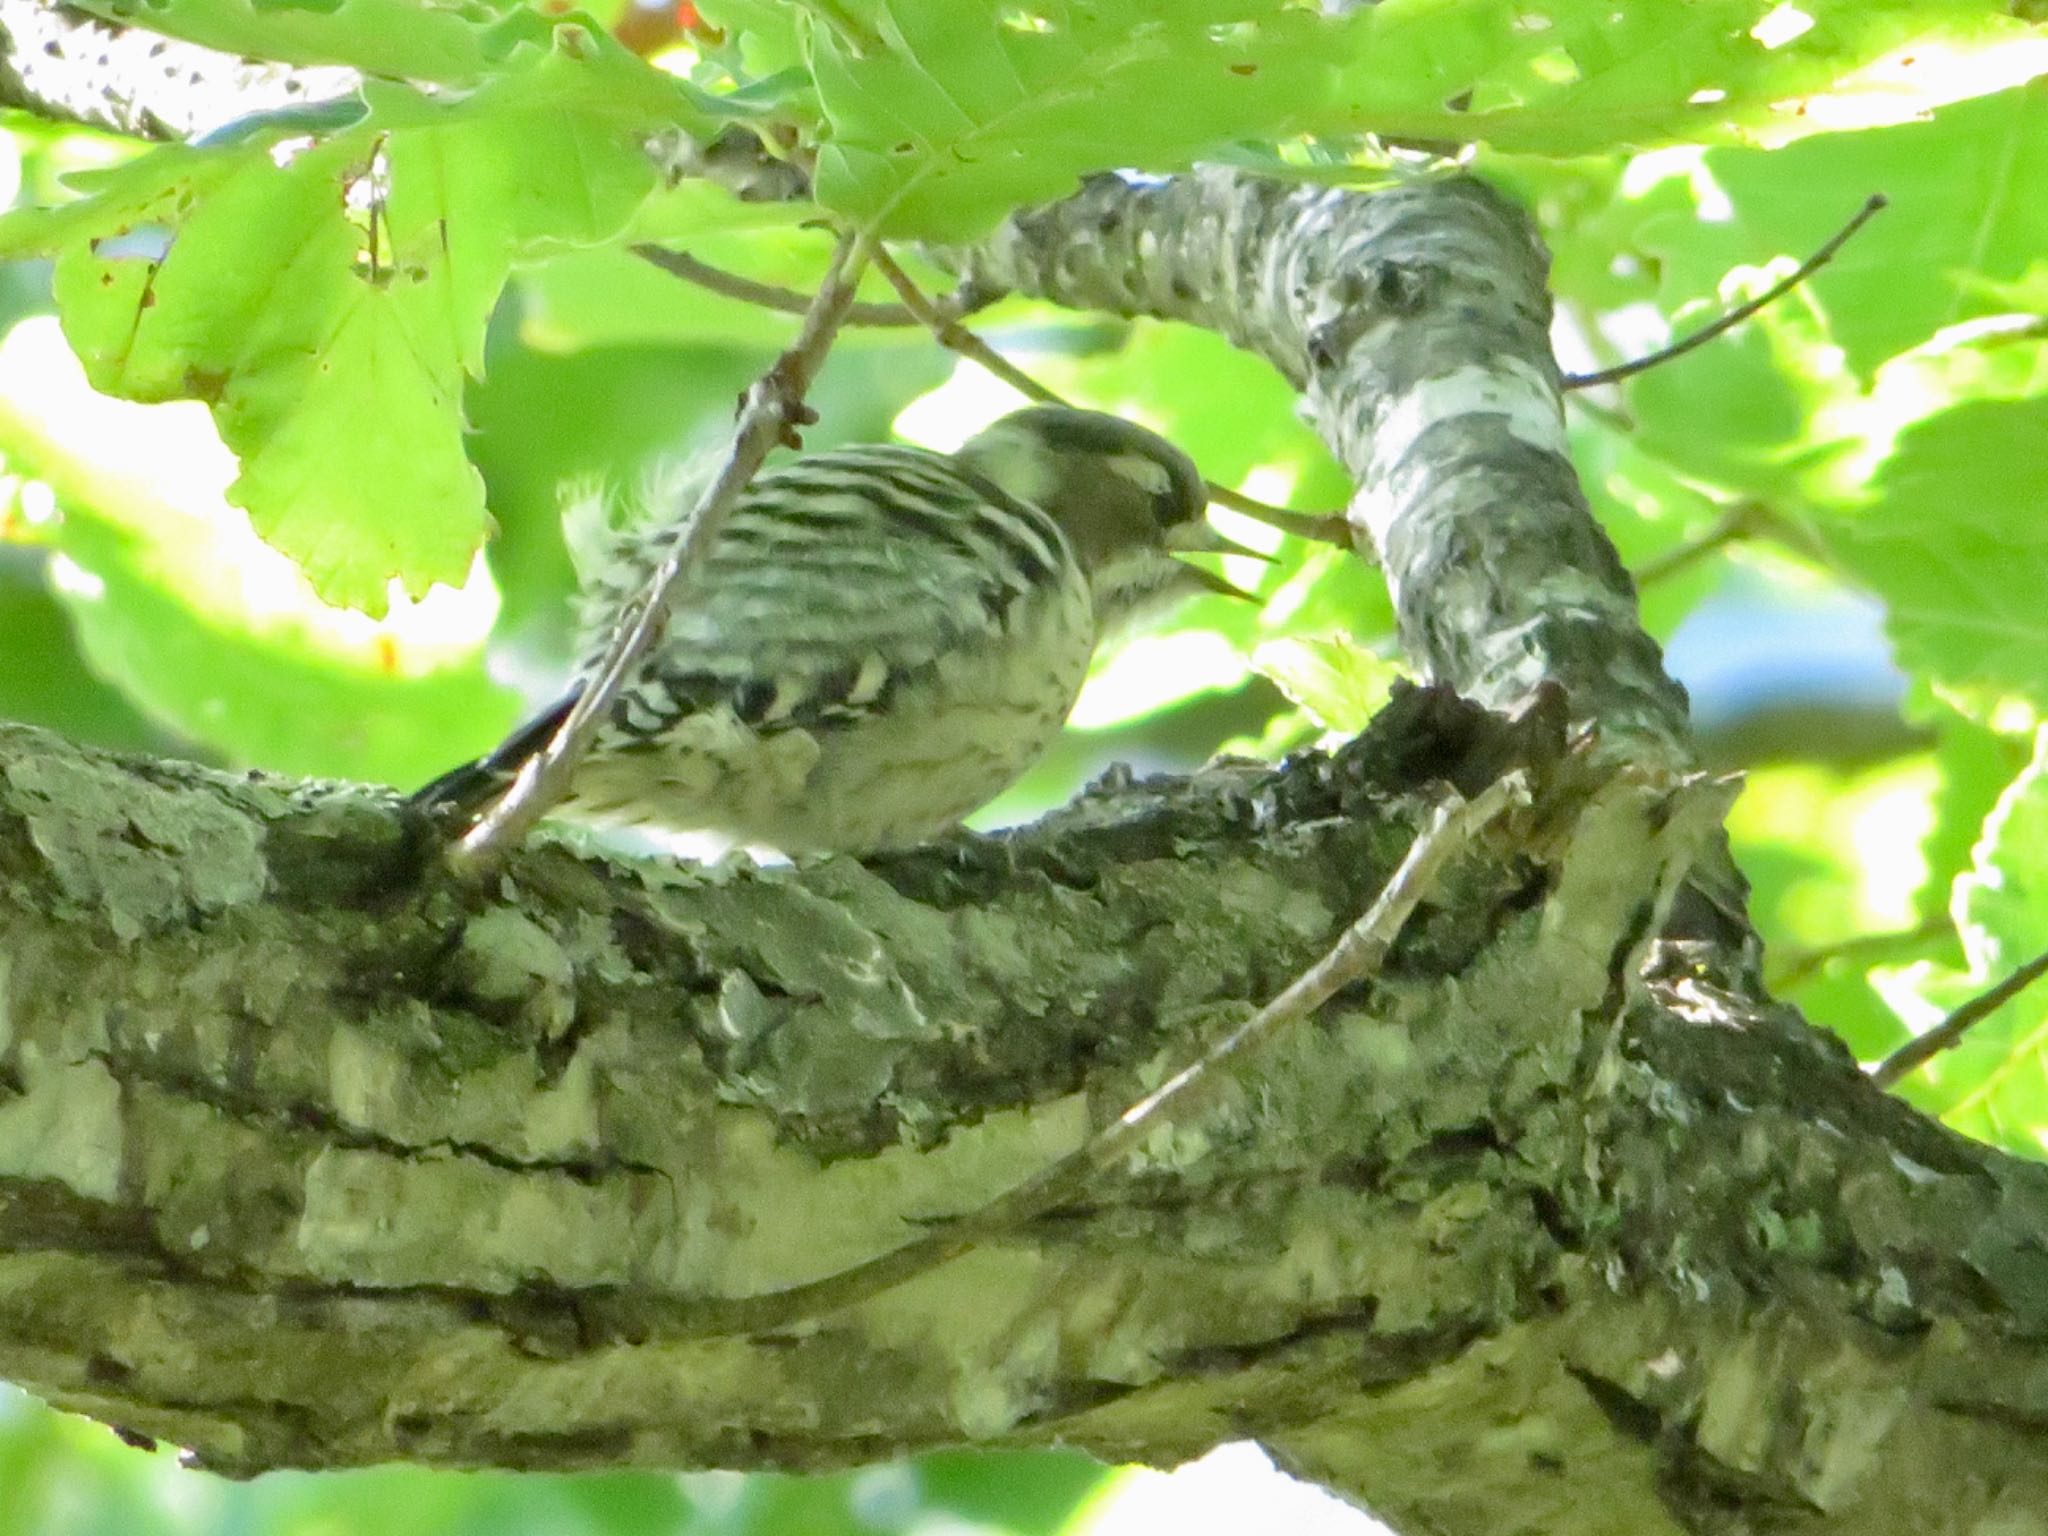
786	301
1916	1053
1741	312
312	1156
769	414
66	65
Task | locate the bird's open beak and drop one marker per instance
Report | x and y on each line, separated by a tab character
1212	581
1199	538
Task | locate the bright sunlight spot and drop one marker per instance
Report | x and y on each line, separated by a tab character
1154	669
1912	81
1781	26
1232	1490
1858	837
944	418
1888	823
1681	162
1959	361
159	474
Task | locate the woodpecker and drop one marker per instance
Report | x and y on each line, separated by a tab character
879	639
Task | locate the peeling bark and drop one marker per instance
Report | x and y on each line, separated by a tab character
309	1158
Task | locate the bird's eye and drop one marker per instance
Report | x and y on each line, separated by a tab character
1173	494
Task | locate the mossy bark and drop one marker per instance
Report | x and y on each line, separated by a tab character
309	1157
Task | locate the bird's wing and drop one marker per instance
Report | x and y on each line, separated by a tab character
811	603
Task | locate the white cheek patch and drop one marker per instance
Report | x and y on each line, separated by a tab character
1148	475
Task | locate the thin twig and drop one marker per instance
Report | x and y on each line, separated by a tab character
1732	526
1356	956
1610	418
1322	527
1951	1030
772	409
1748	522
952	334
1790	967
1737	315
785	300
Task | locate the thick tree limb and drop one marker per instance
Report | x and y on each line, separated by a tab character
308	1156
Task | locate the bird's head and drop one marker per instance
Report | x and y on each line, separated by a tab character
1126	498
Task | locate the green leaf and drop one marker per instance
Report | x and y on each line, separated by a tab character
1338	681
1956	546
1568	77
1741	412
1965	220
772	1505
1975	765
1332	589
1994	1084
206	630
945	115
620	1503
451	41
1833	854
290	284
1770	411
1840	995
609	296
765	33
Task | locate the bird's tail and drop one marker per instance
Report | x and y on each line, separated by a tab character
462	792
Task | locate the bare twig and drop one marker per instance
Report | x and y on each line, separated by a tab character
1950	1031
1737	315
772	409
788	301
1737	523
1610	418
1322	527
1747	522
952	334
1355	957
1791	966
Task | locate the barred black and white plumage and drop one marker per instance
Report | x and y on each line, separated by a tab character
879	639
